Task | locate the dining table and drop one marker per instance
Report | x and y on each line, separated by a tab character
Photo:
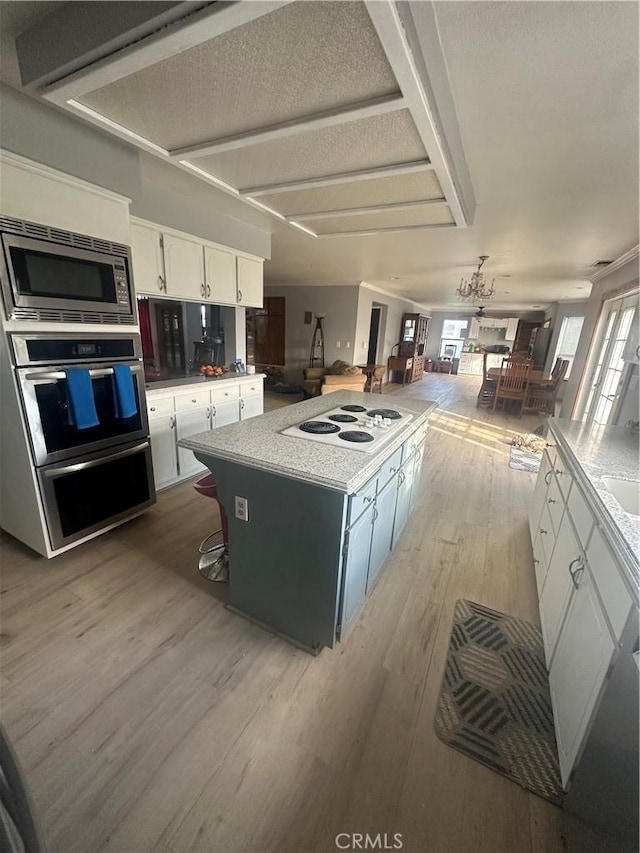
536	377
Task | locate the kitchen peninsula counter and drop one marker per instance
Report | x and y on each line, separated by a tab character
199	380
311	524
257	443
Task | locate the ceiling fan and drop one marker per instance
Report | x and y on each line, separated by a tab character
480	311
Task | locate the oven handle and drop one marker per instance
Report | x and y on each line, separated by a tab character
92	463
60	374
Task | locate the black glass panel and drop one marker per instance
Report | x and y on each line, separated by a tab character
54	416
65	349
51	275
94	495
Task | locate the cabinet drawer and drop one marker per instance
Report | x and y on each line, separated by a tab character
390	467
159	406
609	584
249	390
195	398
580	515
362	499
226	392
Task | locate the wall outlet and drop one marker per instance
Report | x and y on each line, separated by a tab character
337	344
242	508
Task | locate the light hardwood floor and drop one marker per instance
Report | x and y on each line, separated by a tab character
148	717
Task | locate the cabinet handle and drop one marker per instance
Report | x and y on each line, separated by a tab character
203	290
172	422
152	408
559	472
208	291
162	284
638	352
242	404
550	501
367	499
213	411
374	514
548	474
535	561
194	401
239	296
543	532
576	572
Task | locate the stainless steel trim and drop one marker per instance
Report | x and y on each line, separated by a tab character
19	344
14	299
61	470
60	374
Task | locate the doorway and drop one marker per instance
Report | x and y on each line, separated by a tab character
374	335
606	379
266	332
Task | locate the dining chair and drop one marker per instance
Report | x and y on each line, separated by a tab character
377	375
513	382
541	399
488	388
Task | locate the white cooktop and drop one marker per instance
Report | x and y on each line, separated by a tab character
377	430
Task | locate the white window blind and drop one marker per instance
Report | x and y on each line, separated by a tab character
568	340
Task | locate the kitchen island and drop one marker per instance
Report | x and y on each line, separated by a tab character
318	520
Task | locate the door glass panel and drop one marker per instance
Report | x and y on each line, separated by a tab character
613	366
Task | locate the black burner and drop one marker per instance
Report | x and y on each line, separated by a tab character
385	413
319	427
356	435
342	419
353	408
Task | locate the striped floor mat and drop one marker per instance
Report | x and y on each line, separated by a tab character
494	702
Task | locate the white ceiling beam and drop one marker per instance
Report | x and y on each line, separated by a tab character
342	178
359	211
294	127
390	30
394	230
214	20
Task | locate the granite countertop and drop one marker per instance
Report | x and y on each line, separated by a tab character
198	379
257	442
595	452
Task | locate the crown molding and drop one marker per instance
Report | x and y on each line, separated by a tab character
629	256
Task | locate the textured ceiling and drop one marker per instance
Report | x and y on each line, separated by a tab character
412	187
304	58
382	140
429	215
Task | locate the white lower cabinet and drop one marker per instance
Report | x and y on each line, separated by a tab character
403	503
191	423
584	651
565	565
164	451
382	531
356	569
194	409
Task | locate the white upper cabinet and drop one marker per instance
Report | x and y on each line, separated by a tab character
148	263
249	282
184	268
512	328
220	276
474	328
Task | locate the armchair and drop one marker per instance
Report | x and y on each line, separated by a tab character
339	377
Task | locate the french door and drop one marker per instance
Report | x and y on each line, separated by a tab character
606	380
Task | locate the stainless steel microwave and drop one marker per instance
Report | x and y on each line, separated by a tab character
57	276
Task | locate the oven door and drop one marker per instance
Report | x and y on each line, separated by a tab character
49	276
53	438
94	492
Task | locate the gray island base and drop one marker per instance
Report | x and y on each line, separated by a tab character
320	521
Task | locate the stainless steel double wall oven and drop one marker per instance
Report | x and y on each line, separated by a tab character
93	478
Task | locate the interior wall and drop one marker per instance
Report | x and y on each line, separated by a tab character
561	310
575	393
390	336
339	304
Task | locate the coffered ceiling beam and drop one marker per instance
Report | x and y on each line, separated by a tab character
391	31
358	211
342	178
214	20
369	231
317	121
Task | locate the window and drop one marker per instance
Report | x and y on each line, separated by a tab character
454	328
568	340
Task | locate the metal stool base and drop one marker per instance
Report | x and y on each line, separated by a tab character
213	564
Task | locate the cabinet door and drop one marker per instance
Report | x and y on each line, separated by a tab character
225	413
474	328
146	256
384	511
540	495
249	282
512	328
164	452
417	472
250	406
183	266
578	671
220	276
558	586
354	570
191	423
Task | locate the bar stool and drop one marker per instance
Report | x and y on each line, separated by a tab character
214	560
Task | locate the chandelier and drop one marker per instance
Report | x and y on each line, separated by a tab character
476	288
